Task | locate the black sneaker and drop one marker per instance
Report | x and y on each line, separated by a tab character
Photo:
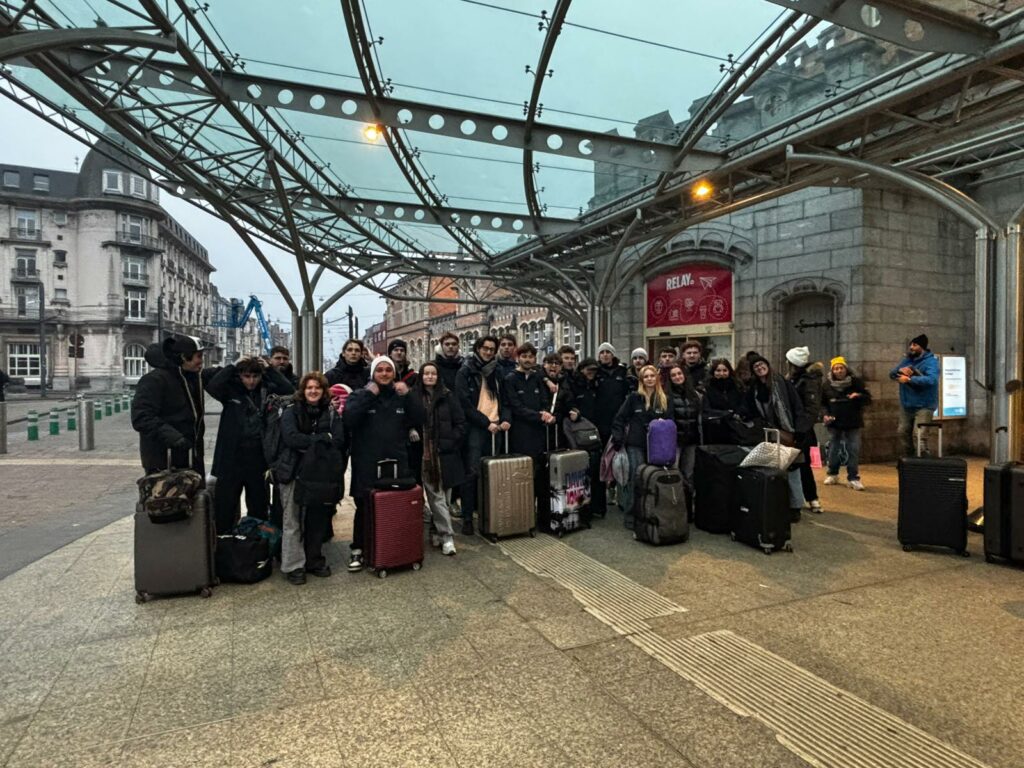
322	572
355	562
467	526
296	577
794	515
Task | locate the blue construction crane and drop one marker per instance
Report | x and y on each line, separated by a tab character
239	315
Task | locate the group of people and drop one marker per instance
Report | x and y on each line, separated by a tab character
435	424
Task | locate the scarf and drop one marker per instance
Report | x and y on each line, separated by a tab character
840	385
772	404
431	431
486	369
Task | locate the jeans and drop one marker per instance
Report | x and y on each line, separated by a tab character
478	445
687	458
810	487
909	417
302	537
438	500
844	441
628	491
796	489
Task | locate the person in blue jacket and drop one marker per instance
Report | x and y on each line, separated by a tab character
918	376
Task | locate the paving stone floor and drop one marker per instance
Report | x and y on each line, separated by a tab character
474	661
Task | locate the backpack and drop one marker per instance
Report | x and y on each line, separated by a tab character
280	459
582	434
320	475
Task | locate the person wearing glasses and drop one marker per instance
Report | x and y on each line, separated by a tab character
478	389
238	461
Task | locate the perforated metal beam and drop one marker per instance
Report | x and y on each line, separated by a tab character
394	113
907	23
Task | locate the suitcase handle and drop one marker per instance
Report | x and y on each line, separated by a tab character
929	425
769	432
393	463
494	447
190	460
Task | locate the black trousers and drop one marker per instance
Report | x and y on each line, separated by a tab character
246	475
810	486
316	521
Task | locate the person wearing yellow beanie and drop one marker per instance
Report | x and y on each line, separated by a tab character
843	399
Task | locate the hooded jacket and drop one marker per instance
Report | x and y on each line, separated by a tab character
467	390
807	382
612	388
922	391
168	408
242	418
353	375
406	374
448	369
378	428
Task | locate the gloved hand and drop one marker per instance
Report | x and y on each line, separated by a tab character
414	436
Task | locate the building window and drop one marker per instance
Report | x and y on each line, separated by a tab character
27	222
135	227
23	360
134	268
60	218
154	193
134	360
113	182
60	294
12	179
26	299
60	257
40	182
135	304
24	262
138	186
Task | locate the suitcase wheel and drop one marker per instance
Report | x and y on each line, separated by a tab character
142	597
533	533
417	566
732	535
787	547
382	573
205	592
767	550
989	558
493	538
907	548
964	553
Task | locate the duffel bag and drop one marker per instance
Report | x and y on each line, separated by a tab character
242	559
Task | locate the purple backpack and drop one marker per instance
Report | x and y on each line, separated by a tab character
661	442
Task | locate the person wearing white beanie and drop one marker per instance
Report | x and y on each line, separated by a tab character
605	347
807	380
637	360
799	356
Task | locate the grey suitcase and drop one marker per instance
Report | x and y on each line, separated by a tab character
567	507
175	558
506	495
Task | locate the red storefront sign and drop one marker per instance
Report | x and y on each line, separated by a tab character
693	294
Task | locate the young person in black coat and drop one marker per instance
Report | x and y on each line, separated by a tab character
351	370
843	400
687	405
441	450
378	418
612	389
311	419
584	404
723	403
448	360
238	461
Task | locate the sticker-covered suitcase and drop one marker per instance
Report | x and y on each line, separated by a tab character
175	558
394	525
505	490
760	513
566	507
932	500
662	505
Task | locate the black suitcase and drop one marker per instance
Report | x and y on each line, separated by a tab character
1016	514
932	500
997	510
714	479
661	511
760	513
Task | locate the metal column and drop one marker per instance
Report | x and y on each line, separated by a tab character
1006	399
86	426
312	329
3	427
298	361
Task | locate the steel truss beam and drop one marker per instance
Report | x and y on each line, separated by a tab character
398	114
910	24
17	44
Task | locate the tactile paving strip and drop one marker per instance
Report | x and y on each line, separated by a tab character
827	726
605	593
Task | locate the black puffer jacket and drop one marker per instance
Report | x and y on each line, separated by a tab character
241	422
847	411
448	369
167	407
612	388
697	374
631	422
585	398
378	428
448	425
301	423
467	390
352	375
807	383
687	408
723	396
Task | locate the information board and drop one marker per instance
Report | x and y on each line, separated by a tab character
953	387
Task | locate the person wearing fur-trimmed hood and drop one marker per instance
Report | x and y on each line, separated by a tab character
806	378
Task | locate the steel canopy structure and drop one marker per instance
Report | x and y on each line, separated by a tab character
485	168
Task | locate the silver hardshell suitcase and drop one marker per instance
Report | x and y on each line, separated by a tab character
175	558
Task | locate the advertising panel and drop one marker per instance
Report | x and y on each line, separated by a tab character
690	295
953	387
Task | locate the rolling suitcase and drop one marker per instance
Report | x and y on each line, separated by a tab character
567	502
663	500
1016	514
932	500
997	530
760	513
505	490
394	523
714	479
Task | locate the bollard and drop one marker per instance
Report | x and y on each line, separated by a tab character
86	432
33	425
72	422
97	411
108	408
117	405
54	421
3	427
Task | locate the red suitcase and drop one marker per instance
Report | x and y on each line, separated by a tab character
394	538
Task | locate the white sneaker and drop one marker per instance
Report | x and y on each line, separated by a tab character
448	547
814	506
831	479
857	485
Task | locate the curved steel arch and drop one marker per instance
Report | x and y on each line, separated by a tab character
363	56
550	37
13	45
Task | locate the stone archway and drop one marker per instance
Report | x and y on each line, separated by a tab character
805	311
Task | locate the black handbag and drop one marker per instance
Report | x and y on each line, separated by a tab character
242	559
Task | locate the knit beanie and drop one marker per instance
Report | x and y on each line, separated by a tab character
799	356
377	361
606	347
838	361
588	362
921	341
396	343
638	352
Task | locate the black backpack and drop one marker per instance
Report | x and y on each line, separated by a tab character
280	459
320	475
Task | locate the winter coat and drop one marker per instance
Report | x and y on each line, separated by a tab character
686	412
406	374
633	377
723	396
630	424
289	373
573	381
807	382
448	369
585	398
241	422
505	367
448	424
353	375
697	374
922	391
789	398
848	413
298	432
467	390
168	406
527	396
612	389
378	428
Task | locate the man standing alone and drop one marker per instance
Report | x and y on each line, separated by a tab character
918	377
